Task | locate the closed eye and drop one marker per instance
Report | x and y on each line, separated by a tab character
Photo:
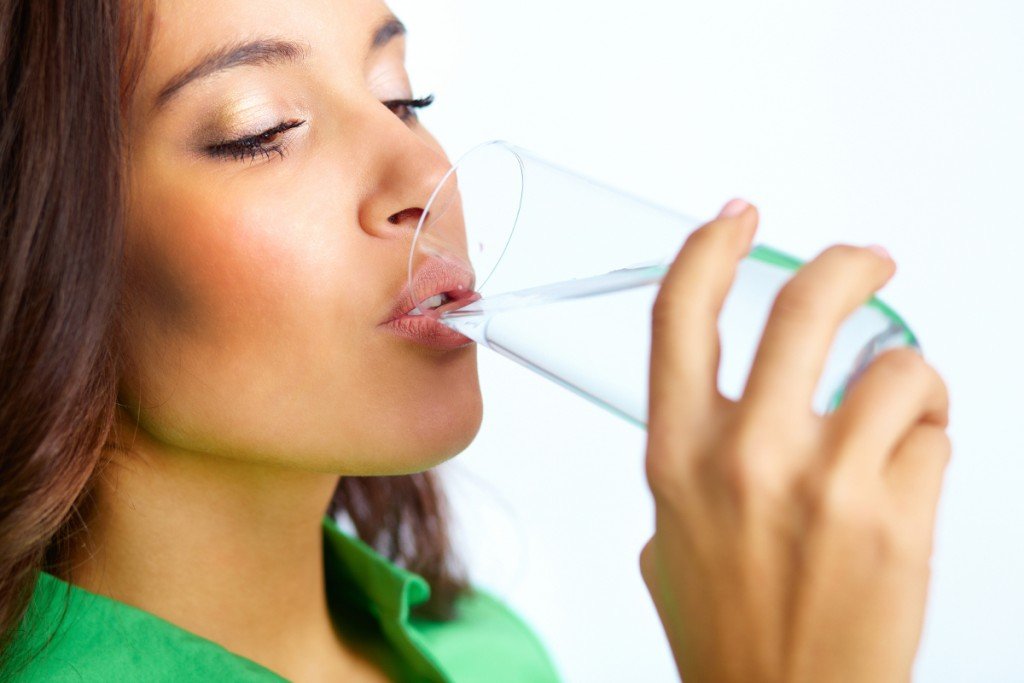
406	109
250	146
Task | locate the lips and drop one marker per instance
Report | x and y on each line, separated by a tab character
436	282
437	278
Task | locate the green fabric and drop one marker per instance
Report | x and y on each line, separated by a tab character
96	638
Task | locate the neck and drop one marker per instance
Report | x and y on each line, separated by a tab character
228	549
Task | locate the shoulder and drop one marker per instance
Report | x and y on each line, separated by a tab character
488	640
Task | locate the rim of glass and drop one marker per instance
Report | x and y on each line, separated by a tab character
433	195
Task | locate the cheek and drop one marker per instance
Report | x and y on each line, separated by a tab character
242	304
220	270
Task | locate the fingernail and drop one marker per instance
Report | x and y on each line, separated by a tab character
734	207
880	250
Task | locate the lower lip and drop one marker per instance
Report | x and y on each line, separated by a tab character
426	331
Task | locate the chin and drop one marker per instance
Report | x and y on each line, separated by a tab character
438	423
416	433
434	437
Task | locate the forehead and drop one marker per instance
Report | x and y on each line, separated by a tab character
336	31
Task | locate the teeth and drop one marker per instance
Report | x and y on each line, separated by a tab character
434	301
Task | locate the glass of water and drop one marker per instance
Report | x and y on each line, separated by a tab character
567	270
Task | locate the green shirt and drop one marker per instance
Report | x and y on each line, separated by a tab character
102	639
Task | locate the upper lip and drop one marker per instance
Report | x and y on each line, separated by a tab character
436	276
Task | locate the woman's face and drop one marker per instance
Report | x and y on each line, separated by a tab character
260	271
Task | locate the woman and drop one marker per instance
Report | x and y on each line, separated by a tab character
182	424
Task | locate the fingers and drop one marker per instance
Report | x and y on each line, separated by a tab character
898	390
803	323
684	345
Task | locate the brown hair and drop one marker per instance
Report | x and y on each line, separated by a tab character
67	68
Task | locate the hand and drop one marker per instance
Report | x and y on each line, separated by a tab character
788	546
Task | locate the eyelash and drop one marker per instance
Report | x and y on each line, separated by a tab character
410	106
252	146
260	144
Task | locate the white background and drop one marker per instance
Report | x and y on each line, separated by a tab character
897	122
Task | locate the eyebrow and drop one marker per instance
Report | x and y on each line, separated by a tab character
261	51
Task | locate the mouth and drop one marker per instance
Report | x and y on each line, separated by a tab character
440	286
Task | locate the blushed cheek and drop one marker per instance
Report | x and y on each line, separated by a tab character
223	276
184	287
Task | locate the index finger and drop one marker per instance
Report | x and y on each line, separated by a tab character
684	344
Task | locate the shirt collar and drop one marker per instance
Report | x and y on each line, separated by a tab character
359	574
374	582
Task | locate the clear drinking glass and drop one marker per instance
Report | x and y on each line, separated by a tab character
566	272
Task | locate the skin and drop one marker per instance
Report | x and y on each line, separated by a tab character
256	372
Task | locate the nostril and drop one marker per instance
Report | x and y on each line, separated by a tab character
413	212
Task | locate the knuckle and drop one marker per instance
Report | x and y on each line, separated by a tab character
662	311
941	417
941	386
646	562
851	257
910	544
840	504
665	477
865	526
843	251
943	447
729	467
889	539
904	361
903	366
900	538
908	366
743	476
937	442
665	307
712	237
700	237
743	466
800	296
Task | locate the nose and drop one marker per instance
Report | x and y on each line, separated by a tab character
407	170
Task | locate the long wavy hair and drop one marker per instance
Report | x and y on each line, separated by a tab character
67	70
